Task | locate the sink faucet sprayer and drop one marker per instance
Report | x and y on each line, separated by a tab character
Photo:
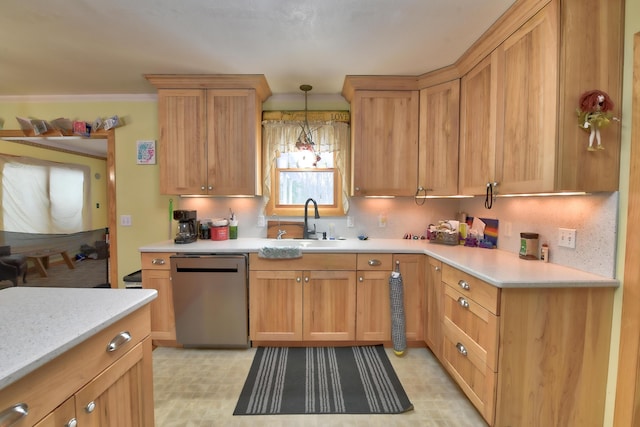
306	233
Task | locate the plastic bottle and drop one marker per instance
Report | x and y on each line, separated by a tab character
544	253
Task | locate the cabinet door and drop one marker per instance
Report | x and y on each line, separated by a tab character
62	416
117	396
181	152
413	278
478	112
528	126
373	321
329	305
384	143
434	302
275	305
163	323
439	135
233	135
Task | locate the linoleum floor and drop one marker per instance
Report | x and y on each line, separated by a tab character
194	387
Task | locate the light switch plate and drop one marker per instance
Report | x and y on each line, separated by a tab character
350	222
125	220
261	222
567	238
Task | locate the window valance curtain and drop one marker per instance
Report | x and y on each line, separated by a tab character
280	136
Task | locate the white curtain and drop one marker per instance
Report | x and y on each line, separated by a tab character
44	197
280	136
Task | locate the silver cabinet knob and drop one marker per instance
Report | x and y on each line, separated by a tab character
436	268
203	188
464	285
461	349
71	423
119	340
210	188
463	302
91	406
361	279
11	415
306	279
298	279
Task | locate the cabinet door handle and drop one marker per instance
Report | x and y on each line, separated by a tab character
298	279
374	262
463	302
210	188
120	339
306	279
361	279
71	423
91	406
461	349
13	414
202	188
436	268
464	285
158	261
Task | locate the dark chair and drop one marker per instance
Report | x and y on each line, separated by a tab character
12	266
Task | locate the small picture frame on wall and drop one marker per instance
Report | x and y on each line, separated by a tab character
146	152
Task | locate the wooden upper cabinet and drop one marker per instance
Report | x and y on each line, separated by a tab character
438	142
182	149
384	135
210	133
518	124
526	128
478	115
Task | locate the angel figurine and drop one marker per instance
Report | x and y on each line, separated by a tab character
594	113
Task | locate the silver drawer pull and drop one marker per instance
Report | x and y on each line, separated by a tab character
120	339
374	262
13	414
91	406
158	261
464	285
461	349
463	302
72	423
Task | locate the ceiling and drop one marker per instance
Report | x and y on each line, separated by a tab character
88	47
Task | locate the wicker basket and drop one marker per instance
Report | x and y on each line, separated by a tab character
444	237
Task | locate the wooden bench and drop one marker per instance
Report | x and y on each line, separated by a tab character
40	260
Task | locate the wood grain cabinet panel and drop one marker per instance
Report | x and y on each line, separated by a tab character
156	274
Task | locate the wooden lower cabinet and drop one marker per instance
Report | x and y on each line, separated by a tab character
314	303
433	302
156	274
91	385
413	279
528	356
373	318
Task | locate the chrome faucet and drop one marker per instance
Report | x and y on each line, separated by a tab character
281	233
306	233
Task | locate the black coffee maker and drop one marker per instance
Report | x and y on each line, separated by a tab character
187	226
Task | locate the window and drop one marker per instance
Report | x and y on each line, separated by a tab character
44	197
295	172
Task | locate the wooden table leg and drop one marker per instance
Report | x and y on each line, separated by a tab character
68	260
37	261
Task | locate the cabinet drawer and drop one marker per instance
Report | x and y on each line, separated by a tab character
477	324
155	261
470	286
375	262
315	261
70	371
475	378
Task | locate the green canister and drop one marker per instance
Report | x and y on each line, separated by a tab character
529	245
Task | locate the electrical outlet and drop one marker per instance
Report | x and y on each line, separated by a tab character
382	220
125	220
567	238
507	229
350	222
261	222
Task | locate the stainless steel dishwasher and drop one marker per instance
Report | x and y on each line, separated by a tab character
210	299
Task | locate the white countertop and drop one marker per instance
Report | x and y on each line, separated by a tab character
39	324
500	268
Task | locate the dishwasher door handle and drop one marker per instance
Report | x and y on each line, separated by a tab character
206	270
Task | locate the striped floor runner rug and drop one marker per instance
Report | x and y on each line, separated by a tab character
322	380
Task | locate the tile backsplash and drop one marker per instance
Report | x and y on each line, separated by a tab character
593	216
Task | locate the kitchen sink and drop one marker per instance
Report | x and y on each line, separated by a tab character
306	243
